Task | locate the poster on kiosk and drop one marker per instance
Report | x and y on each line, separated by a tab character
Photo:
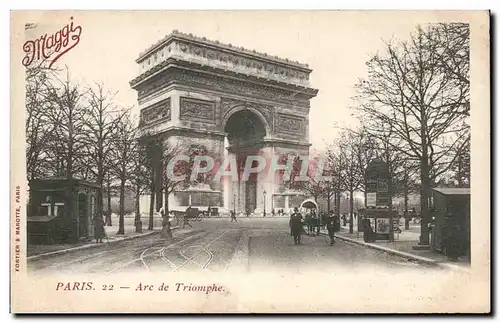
378	213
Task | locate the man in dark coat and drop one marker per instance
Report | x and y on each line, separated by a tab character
331	226
187	216
233	216
324	219
166	231
296	225
99	232
452	239
368	234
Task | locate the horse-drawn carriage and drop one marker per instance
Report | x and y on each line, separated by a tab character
196	214
312	218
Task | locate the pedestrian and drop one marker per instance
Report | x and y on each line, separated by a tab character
296	226
453	239
108	217
99	231
170	219
368	233
185	219
331	226
316	222
166	232
233	217
308	223
324	219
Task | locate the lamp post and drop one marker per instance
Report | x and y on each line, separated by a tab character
272	204
264	203
234	204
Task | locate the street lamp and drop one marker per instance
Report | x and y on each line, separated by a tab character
272	205
264	203
234	204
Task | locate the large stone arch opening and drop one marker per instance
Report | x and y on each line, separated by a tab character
245	132
245	127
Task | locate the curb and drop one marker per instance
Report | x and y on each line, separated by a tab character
88	246
405	254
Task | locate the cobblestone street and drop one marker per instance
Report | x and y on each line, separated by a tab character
217	245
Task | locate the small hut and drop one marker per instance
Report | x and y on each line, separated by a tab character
61	210
452	213
309	205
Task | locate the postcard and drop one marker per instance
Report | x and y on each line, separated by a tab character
250	162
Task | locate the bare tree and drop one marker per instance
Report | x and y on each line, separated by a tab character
100	125
39	128
110	178
408	88
336	162
153	148
364	148
313	187
461	166
452	42
69	115
125	151
350	148
170	152
140	180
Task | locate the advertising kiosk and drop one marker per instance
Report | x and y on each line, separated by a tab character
379	220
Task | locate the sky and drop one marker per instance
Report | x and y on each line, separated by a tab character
335	44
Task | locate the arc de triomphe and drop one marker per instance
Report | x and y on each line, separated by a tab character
227	100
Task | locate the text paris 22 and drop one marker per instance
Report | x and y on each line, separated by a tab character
177	287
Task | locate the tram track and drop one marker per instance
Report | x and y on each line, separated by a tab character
159	252
142	257
203	249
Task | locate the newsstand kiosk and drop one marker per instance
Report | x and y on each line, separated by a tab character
379	221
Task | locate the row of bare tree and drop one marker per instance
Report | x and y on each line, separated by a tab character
413	107
79	132
73	131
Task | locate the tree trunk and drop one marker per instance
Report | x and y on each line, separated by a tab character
406	215
69	158
137	220
152	200
100	178
328	196
167	193
459	171
121	224
351	215
100	195
424	178
159	184
424	202
337	203
334	201
109	221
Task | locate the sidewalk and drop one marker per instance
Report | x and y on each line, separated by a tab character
402	246
36	251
